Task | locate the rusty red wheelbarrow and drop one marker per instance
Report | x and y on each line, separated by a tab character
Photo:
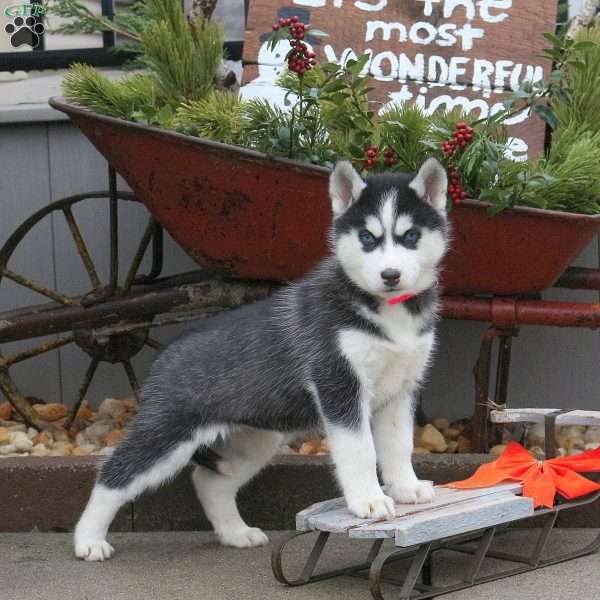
258	217
252	221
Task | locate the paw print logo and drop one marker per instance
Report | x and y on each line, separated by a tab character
24	31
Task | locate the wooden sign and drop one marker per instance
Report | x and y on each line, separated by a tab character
437	54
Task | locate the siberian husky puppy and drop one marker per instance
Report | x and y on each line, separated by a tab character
344	349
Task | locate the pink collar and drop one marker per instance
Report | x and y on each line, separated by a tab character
400	299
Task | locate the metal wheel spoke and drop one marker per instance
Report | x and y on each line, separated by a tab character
154	343
81	247
36	287
114	229
139	255
36	351
157	253
87	380
133	382
18	401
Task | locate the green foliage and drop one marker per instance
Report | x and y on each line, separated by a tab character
77	18
183	56
572	93
566	179
274	131
218	116
580	105
404	128
181	59
329	115
122	99
569	102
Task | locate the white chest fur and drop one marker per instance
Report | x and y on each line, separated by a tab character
392	367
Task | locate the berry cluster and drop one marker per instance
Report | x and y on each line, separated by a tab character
299	58
461	138
455	190
370	156
390	156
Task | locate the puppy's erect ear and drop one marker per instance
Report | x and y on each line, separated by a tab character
345	187
431	184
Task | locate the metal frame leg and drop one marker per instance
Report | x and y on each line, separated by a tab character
481	409
417	564
307	574
482	372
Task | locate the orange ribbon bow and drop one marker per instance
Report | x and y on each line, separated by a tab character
541	479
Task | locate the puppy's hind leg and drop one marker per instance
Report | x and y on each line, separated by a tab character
145	459
244	454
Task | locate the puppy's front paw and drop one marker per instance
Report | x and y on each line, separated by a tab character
93	550
378	507
417	492
243	538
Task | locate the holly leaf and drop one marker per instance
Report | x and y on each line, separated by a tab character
546	114
583	44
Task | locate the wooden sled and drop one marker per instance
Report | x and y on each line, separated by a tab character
465	521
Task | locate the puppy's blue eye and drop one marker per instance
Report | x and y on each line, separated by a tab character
411	237
366	237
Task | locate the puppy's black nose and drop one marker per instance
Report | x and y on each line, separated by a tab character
391	277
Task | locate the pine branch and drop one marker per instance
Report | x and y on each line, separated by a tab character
82	20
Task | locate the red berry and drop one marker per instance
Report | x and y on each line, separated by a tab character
461	125
294	19
275	26
371	153
311	55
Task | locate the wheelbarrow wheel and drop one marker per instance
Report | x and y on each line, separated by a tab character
117	347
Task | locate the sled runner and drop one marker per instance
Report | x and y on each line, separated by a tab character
463	521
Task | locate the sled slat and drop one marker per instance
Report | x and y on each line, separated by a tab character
333	515
469	516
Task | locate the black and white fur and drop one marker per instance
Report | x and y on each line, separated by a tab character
326	352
